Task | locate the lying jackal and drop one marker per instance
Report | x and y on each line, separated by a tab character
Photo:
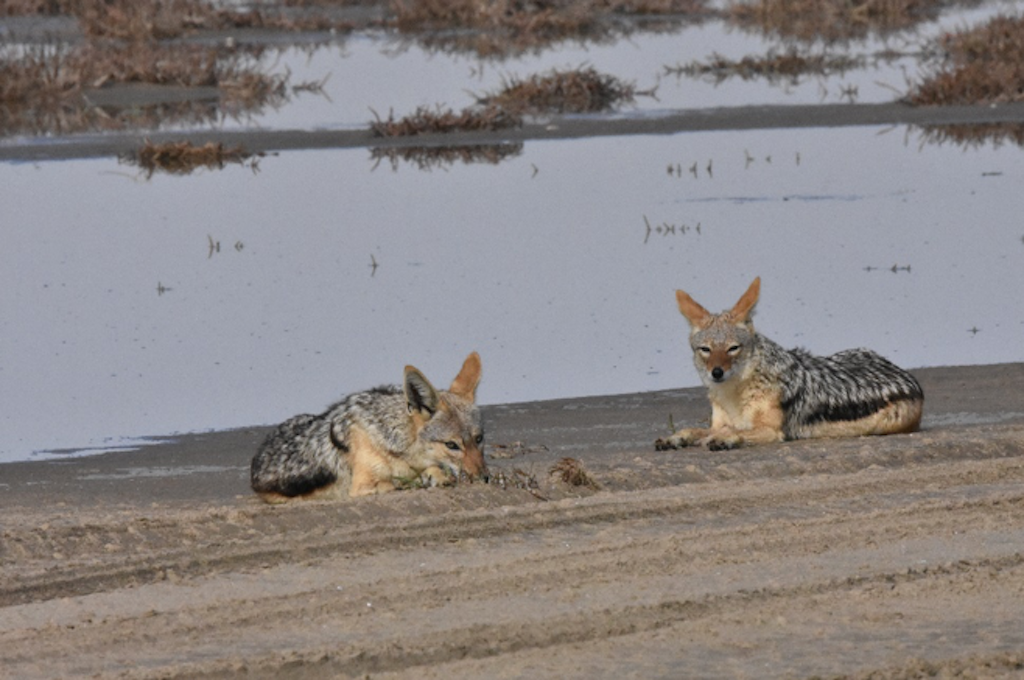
371	441
761	392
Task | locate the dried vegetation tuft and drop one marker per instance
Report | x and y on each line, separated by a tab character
437	120
47	88
502	27
141	20
570	471
788	66
51	88
577	91
984	64
582	90
831	20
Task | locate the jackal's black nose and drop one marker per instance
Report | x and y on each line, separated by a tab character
717	372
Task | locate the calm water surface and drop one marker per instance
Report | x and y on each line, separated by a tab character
136	306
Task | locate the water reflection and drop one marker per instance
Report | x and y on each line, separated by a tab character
335	84
278	291
443	157
973	136
183	158
118	319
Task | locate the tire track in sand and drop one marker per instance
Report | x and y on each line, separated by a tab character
500	585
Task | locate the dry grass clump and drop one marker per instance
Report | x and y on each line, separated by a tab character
41	90
49	69
251	90
576	91
46	88
36	75
138	20
21	8
555	16
830	20
983	65
182	158
236	74
152	63
654	7
546	16
443	157
773	67
141	20
431	121
495	27
570	471
52	87
326	3
502	27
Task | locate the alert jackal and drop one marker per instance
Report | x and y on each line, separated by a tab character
370	442
761	392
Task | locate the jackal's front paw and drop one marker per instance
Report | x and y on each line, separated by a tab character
679	440
667	443
371	487
435	476
723	442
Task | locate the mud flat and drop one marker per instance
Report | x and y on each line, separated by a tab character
885	557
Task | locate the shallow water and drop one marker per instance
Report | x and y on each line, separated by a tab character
368	74
371	75
136	307
552	276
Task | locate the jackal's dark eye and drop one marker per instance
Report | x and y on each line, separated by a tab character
454	446
479	439
733	349
704	349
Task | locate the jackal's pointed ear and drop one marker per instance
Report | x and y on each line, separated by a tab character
689	308
420	395
744	308
468	378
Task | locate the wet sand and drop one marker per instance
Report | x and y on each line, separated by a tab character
886	557
554	127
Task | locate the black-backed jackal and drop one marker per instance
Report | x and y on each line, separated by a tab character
377	440
761	392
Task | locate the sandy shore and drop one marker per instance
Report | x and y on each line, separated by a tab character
893	556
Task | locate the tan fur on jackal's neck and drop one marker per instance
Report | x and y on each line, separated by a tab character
747	402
